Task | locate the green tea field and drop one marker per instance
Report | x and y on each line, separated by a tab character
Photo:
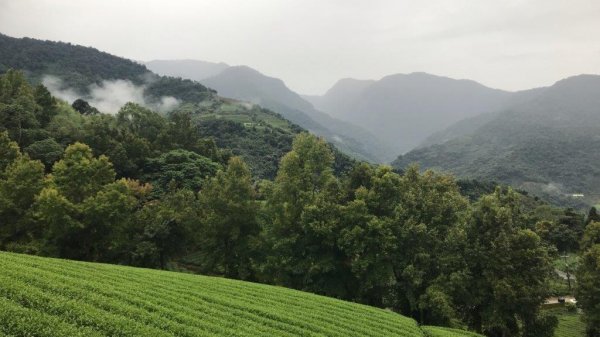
52	297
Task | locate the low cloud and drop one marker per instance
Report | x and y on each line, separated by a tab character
110	96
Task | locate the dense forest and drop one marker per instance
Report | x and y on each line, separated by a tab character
155	190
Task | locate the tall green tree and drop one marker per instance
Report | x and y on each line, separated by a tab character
229	222
428	222
20	182
47	105
163	229
508	267
302	226
17	107
83	212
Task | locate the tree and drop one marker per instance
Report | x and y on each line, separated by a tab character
588	279
48	151
48	107
9	151
17	106
84	213
428	223
163	229
229	222
302	225
508	267
592	216
20	182
79	175
84	108
141	122
182	168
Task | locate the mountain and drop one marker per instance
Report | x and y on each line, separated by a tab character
404	109
339	98
191	69
545	141
257	134
247	84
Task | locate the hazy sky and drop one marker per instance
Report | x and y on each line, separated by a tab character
310	44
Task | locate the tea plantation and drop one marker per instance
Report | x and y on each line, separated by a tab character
52	297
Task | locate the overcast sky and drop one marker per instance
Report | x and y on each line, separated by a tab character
310	44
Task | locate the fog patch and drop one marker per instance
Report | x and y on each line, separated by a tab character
552	188
56	86
167	103
110	95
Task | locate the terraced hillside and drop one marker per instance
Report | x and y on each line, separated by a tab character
52	297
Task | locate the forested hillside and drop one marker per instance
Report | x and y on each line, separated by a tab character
546	144
247	84
107	82
141	189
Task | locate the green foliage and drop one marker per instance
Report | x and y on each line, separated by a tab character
162	229
588	276
229	222
564	232
179	169
47	151
79	175
21	181
514	266
84	108
77	66
183	90
9	151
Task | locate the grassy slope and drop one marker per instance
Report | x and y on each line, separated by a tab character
51	297
569	324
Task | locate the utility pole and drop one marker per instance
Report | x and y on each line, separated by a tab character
568	271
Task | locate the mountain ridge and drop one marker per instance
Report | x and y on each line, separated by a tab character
248	84
545	142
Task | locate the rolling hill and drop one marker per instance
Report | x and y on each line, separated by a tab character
404	109
545	142
257	134
52	297
247	84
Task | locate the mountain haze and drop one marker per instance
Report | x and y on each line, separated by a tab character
247	84
546	141
404	109
191	69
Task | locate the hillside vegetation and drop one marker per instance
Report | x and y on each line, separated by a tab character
51	297
258	135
